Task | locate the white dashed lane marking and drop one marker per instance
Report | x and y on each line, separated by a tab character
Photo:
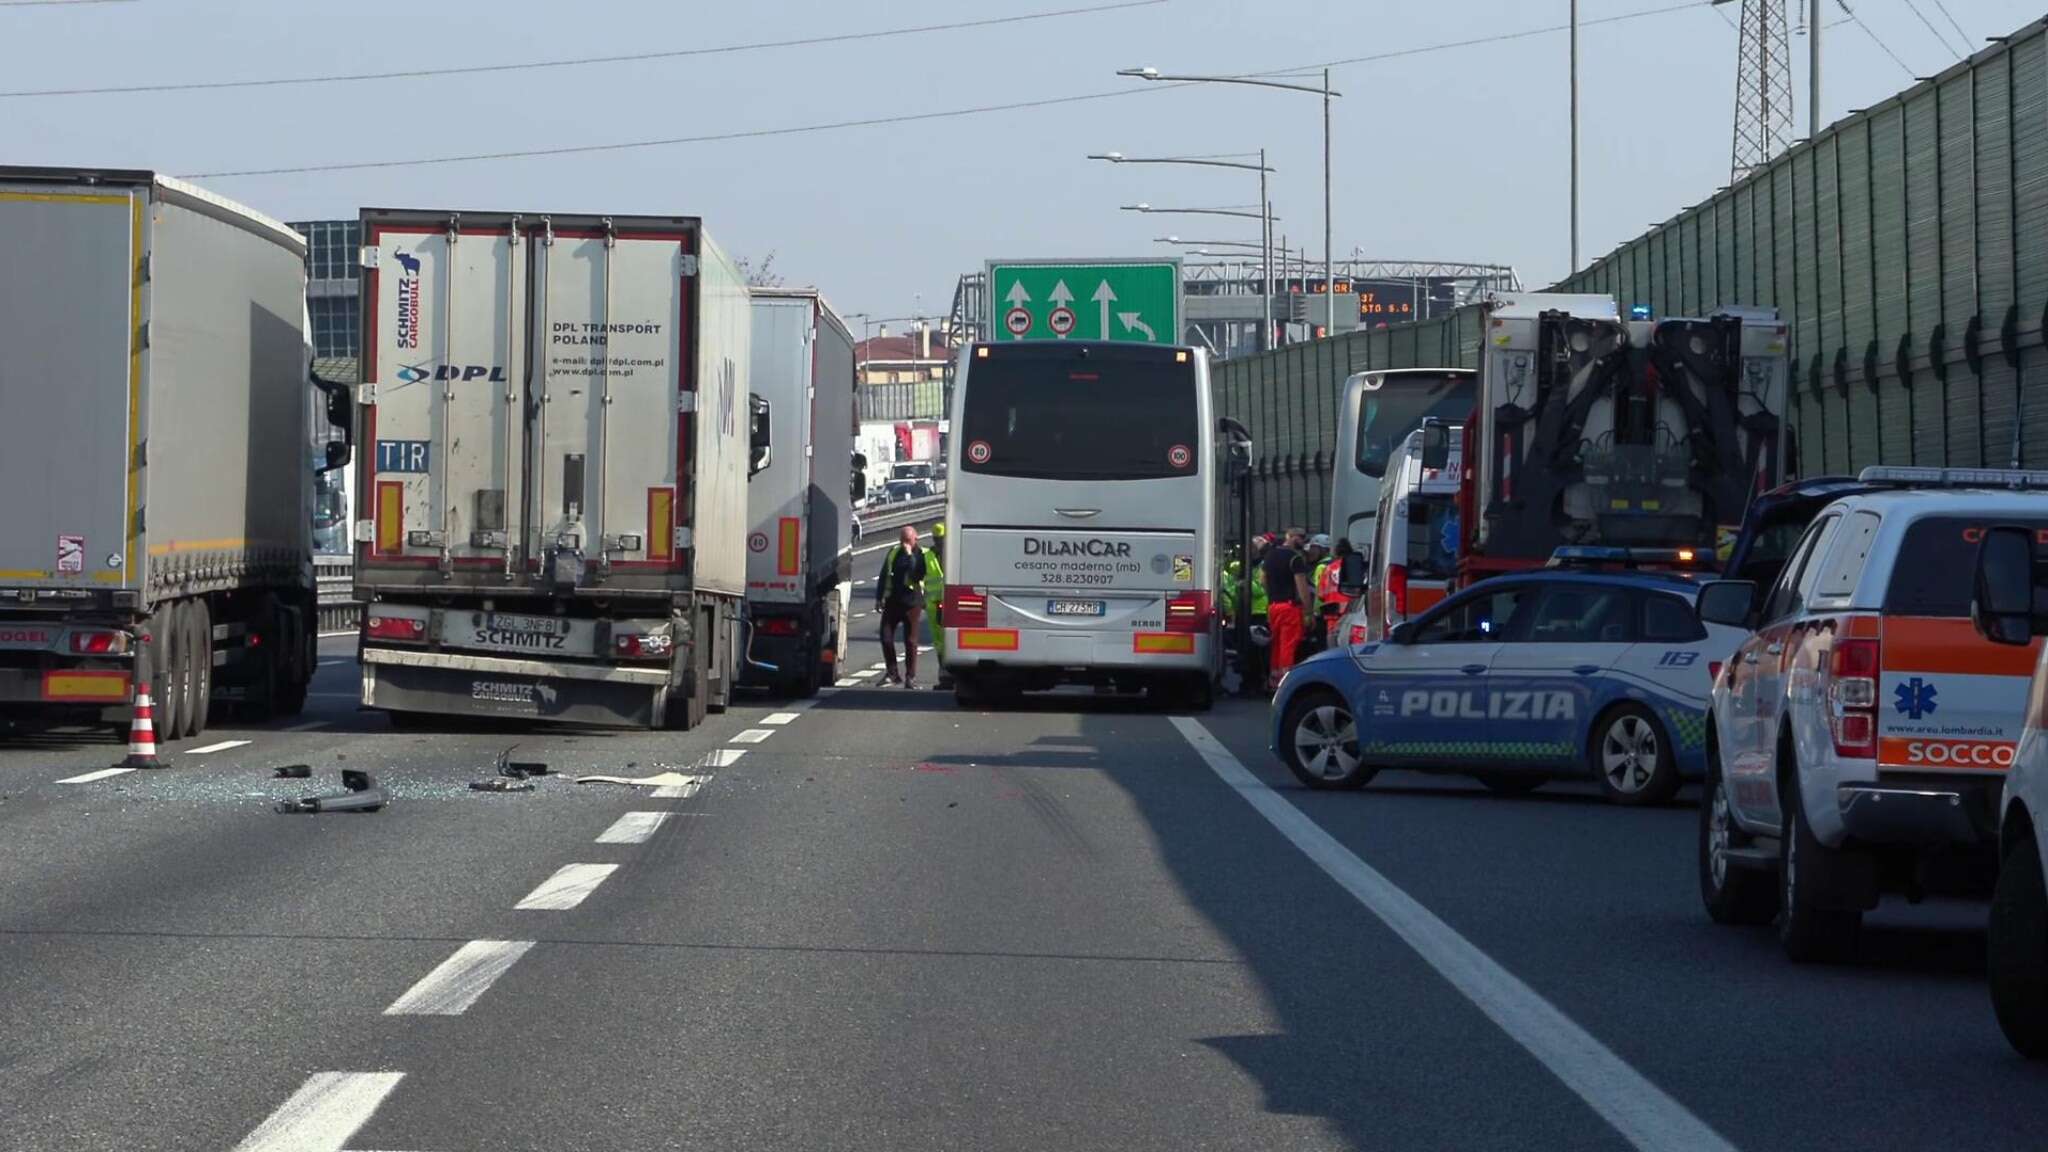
89	777
220	747
684	790
632	828
780	717
751	736
566	888
849	682
325	1111
460	979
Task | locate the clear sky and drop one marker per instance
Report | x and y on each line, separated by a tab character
1459	154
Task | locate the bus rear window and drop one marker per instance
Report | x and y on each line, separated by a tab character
1053	414
1936	573
1397	407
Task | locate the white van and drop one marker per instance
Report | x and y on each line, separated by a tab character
1082	514
1374	419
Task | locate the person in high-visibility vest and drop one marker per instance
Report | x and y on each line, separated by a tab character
1329	599
935	601
899	596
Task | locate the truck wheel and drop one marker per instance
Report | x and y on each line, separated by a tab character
1807	930
168	632
1631	757
1732	895
293	676
199	644
2017	949
1319	742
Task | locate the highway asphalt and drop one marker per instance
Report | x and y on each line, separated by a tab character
876	920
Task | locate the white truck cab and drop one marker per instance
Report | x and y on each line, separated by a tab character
1859	740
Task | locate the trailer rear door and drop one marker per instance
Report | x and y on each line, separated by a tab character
70	384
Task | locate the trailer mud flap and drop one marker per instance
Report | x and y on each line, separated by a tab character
463	692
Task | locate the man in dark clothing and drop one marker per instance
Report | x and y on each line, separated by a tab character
899	593
1288	593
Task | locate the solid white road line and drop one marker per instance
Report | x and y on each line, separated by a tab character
325	1111
567	887
751	736
632	828
780	717
89	777
1639	1110
220	747
460	979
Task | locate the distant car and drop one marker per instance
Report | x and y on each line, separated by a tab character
905	490
1517	680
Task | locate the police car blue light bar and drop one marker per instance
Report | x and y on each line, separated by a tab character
1910	477
1582	555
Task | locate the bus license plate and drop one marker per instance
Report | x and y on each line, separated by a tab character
1074	608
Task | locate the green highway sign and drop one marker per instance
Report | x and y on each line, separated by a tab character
1134	300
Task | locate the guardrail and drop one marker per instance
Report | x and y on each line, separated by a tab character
334	579
889	517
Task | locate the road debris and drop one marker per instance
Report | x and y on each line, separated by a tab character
658	780
293	771
360	794
500	784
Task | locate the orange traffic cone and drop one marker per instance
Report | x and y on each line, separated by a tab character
142	734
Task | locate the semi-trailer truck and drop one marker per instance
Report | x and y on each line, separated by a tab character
557	436
799	560
155	400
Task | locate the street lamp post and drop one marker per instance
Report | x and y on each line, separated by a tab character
1265	221
1266	217
1325	91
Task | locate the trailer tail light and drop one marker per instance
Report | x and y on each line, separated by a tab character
1852	698
1189	612
401	628
99	643
648	641
966	607
775	625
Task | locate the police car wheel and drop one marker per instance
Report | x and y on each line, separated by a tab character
2017	949
1731	894
1631	758
1319	742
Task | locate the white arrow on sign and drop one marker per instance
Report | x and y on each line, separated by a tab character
1133	324
1059	294
1018	297
1104	295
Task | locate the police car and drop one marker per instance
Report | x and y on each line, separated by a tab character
1555	672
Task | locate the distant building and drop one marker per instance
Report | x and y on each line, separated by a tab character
333	285
903	377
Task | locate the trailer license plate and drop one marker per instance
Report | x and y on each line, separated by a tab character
1074	607
508	630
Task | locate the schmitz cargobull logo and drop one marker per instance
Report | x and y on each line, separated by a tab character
1039	546
408	334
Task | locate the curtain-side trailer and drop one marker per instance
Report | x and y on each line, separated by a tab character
154	405
555	429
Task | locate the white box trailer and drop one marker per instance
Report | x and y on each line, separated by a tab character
799	555
155	404
555	430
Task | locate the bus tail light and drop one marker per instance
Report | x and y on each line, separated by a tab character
1188	612
965	607
1852	698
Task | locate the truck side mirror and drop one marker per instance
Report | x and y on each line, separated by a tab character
1237	458
2003	607
341	413
1351	574
1436	445
760	446
1726	602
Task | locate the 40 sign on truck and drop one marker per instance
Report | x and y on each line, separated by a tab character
1127	300
558	423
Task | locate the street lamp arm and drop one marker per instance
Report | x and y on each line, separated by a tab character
1154	74
1147	208
1115	158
